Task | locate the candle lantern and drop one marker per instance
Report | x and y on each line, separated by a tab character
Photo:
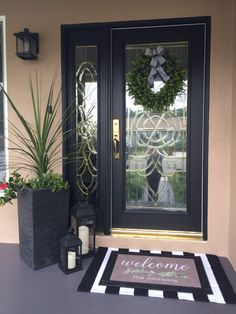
83	221
27	45
70	253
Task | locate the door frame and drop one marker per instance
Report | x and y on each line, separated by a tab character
104	133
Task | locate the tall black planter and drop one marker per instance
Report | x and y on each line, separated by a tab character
43	220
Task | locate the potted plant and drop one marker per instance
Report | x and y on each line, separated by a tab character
43	196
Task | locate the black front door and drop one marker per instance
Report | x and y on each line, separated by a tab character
141	164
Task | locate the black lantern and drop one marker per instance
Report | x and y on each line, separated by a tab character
27	45
70	253
83	221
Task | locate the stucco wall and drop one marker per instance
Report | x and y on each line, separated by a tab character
46	17
232	228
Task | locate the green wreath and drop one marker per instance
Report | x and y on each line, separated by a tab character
140	89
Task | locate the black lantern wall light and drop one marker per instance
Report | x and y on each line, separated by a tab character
27	45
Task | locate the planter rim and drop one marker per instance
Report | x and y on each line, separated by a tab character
45	189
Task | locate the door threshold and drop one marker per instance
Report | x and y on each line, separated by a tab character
156	234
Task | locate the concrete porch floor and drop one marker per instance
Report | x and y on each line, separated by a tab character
49	291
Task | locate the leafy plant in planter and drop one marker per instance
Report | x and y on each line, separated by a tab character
43	199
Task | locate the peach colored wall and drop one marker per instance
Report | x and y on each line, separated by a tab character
9	223
46	17
232	228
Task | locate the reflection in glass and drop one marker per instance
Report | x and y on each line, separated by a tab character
86	111
156	144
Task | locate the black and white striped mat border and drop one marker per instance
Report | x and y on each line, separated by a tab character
222	291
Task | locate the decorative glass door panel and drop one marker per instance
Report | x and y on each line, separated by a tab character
156	140
86	91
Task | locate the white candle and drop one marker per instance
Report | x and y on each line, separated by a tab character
84	237
71	260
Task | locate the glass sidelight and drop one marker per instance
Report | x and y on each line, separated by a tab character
86	116
156	141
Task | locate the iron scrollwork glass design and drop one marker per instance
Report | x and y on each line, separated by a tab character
156	147
86	130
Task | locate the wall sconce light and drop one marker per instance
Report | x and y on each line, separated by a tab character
27	45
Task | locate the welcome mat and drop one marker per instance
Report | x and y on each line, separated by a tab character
179	275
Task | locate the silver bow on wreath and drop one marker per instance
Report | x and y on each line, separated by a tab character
156	64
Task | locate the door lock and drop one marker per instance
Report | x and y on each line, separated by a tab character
116	138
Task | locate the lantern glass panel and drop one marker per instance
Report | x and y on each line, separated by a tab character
91	225
19	45
86	232
32	46
73	258
26	45
83	233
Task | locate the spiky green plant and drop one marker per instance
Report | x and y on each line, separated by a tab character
37	144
